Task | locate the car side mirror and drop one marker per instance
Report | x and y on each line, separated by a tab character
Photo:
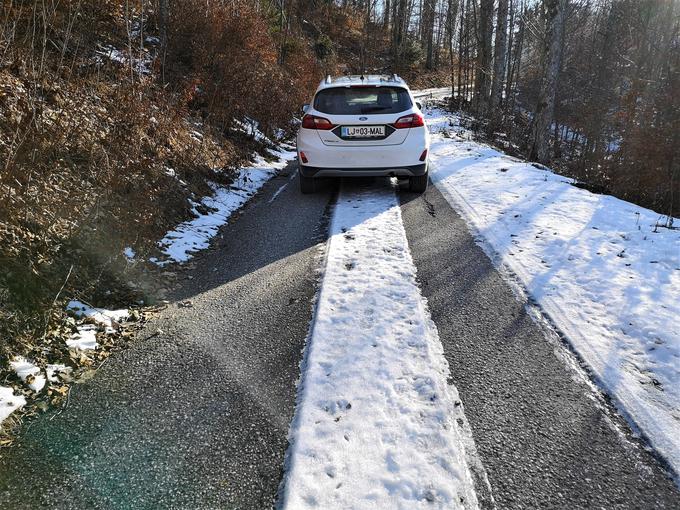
305	107
419	105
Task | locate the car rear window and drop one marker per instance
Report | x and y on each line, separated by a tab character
362	100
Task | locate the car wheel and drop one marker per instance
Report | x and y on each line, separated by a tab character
307	184
418	184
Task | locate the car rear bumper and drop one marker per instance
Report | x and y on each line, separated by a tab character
395	171
369	159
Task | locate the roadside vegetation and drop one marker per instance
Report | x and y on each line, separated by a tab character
590	88
117	113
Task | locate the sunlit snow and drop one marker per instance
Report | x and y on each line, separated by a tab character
604	270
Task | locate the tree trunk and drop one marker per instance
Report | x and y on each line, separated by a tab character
511	40
516	63
556	15
451	14
483	71
500	51
399	22
461	51
428	31
163	15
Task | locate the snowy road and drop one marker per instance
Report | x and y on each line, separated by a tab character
603	270
337	290
377	423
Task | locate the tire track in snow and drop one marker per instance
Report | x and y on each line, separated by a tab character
377	425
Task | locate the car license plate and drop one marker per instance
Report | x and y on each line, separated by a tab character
363	131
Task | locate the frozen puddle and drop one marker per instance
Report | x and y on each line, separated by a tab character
376	422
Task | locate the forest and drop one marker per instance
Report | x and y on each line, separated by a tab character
590	87
115	112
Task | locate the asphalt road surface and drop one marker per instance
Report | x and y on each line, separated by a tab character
197	415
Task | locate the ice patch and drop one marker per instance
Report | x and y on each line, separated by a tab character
53	371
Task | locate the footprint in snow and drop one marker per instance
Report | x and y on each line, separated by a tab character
337	406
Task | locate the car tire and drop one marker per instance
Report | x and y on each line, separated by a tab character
307	184
418	183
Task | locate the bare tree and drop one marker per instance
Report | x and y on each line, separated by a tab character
163	15
427	23
555	12
500	51
484	57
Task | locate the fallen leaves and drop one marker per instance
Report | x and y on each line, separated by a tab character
60	366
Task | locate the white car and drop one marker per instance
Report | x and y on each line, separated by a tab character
363	126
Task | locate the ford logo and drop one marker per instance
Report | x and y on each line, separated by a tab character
363	118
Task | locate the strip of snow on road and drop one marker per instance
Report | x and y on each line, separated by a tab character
603	271
376	420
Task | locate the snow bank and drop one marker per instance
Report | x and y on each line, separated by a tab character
84	339
139	65
30	374
9	402
107	318
86	336
603	271
179	244
376	421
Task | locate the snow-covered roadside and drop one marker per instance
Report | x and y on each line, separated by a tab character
433	93
600	268
29	374
39	377
86	337
179	244
9	402
376	424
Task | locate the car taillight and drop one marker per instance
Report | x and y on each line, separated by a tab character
314	122
409	121
423	155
